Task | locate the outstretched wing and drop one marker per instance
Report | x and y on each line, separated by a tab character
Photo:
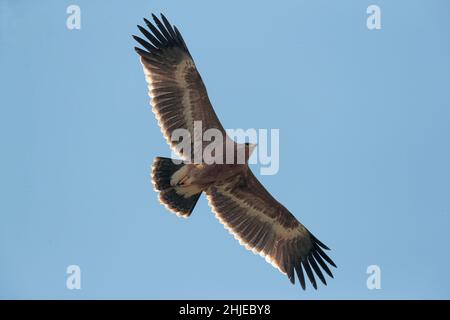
263	225
177	91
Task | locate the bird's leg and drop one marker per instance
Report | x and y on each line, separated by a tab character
182	181
187	175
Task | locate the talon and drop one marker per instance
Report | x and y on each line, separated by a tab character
182	181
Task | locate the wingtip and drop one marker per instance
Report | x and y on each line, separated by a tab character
147	22
292	279
140	52
140	27
320	243
166	21
316	269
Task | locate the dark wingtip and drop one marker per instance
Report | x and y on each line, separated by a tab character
324	256
316	268
156	19
320	243
142	53
309	272
322	263
300	275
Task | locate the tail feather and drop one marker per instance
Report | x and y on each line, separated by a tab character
174	198
162	171
178	204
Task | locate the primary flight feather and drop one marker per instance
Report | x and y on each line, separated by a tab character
257	220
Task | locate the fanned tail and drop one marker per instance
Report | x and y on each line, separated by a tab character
178	199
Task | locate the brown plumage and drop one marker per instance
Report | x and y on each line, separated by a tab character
239	201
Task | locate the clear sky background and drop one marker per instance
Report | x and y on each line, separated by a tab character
364	119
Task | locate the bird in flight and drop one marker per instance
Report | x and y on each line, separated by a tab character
240	202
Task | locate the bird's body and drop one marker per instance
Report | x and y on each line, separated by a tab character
205	175
238	199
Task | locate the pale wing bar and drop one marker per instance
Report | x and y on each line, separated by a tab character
178	94
265	227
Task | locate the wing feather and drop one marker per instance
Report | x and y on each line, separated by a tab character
178	94
264	226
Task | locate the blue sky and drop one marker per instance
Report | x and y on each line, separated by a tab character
364	147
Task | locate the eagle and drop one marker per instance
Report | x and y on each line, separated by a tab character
239	201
